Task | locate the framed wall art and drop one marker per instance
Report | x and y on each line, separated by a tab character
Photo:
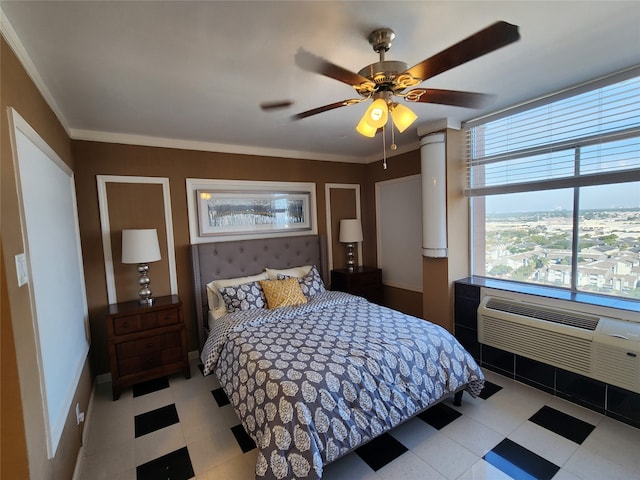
227	209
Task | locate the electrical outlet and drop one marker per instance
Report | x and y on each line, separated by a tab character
79	414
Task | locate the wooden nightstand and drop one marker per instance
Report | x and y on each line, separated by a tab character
363	281
146	342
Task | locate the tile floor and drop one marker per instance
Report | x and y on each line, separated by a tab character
179	429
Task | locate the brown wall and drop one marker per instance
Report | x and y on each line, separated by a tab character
23	438
93	158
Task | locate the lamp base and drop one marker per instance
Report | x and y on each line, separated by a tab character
144	281
350	261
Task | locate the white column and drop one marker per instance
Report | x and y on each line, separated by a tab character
434	195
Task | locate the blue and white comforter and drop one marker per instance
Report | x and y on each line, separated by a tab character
312	382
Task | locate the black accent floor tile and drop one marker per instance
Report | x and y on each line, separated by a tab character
221	397
155	420
489	389
172	466
520	463
243	438
439	416
380	451
151	386
565	425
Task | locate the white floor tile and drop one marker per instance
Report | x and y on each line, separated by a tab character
241	467
482	470
588	465
413	432
472	435
409	466
156	444
349	467
446	455
212	448
545	443
617	442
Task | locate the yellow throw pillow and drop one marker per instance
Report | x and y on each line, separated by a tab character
283	293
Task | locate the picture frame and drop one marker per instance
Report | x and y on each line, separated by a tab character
224	212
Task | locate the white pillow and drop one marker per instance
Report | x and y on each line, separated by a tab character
297	272
216	302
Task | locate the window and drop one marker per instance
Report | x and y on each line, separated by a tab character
555	190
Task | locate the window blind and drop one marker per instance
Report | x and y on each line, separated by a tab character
589	138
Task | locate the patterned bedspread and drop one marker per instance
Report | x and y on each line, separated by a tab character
314	381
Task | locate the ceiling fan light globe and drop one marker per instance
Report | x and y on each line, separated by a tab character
365	129
377	114
402	117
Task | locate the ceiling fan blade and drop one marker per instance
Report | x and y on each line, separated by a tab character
448	97
275	105
324	108
491	38
312	63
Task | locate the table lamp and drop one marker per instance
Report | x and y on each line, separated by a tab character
350	233
141	246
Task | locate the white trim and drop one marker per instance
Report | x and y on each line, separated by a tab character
327	196
103	204
53	430
194	184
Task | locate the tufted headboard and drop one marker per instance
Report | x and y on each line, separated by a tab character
216	260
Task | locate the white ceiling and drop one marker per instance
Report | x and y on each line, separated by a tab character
192	74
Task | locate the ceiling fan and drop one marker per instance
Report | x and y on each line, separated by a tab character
386	79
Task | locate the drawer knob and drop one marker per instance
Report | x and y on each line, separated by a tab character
125	324
150	344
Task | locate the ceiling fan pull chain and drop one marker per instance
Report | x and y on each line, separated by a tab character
384	149
393	134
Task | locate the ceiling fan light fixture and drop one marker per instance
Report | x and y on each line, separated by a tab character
402	117
377	114
365	129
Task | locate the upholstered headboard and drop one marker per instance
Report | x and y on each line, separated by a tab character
217	260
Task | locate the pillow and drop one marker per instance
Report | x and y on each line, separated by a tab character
246	296
283	293
297	272
311	284
216	302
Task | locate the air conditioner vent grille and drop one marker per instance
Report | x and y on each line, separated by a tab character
584	322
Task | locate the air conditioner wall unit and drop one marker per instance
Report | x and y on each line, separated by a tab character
588	341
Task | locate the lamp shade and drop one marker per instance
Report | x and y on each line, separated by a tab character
377	114
365	129
140	246
402	117
350	230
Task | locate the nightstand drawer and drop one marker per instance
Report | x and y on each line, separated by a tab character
145	321
150	360
147	345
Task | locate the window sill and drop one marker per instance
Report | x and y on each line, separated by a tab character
554	292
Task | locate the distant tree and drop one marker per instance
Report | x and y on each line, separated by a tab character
500	270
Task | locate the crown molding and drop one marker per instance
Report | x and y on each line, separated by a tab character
149	141
10	35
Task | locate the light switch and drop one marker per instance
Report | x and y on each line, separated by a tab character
21	269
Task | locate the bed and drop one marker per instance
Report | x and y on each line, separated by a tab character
325	373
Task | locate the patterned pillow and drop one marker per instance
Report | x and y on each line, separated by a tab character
243	297
311	284
283	293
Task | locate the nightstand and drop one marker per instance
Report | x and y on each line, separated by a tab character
146	342
363	281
